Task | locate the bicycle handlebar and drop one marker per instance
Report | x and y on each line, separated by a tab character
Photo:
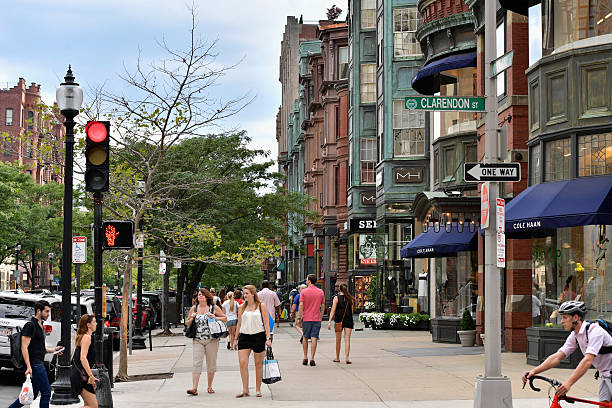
551	381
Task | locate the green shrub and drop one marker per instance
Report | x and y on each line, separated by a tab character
467	323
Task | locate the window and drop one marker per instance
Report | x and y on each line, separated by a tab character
368	83
449	164
405	22
368	14
8	116
436	166
535	164
408	131
576	20
595	155
470	153
367	157
30	120
350	164
343	64
500	50
29	149
336	185
380	131
337	121
558	160
379	41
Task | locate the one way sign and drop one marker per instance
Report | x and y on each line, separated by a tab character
475	172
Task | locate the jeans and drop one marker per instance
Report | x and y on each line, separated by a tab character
40	383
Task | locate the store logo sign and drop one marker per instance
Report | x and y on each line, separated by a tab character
527	225
425	250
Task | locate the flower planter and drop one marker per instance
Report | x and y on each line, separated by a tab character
395	321
467	337
424	325
544	341
444	330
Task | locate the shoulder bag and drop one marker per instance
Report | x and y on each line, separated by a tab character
190	331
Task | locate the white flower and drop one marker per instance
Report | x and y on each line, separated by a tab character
369	306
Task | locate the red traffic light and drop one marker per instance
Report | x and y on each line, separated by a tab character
96	131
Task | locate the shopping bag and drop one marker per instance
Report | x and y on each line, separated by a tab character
217	328
271	369
26	396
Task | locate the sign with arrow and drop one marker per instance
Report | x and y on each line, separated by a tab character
500	172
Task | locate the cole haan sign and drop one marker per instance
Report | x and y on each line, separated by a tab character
527	225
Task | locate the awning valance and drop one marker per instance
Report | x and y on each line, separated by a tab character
433	244
427	81
558	204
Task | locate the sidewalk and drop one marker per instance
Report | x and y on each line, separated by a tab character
390	369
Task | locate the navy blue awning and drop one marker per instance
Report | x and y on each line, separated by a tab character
427	81
558	204
433	244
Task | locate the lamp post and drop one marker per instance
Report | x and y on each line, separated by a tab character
51	256
17	277
69	96
138	340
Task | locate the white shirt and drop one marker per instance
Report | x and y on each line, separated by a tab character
230	315
598	337
251	322
535	306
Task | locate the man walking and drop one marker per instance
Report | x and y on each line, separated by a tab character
33	350
272	302
312	305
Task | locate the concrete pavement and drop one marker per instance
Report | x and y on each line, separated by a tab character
390	369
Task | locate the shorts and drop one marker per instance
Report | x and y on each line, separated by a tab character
605	389
231	323
255	342
311	330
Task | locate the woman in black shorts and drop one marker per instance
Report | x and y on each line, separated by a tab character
253	335
342	315
83	360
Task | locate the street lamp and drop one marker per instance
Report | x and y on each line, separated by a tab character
138	340
17	278
69	96
51	256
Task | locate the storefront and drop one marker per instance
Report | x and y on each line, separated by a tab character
569	222
362	259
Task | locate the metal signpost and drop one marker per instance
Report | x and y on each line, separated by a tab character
445	103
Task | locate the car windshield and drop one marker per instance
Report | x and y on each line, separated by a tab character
16	308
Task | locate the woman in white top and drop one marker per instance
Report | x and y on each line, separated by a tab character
230	306
253	334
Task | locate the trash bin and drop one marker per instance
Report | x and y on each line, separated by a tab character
108	352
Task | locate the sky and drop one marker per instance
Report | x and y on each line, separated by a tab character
39	38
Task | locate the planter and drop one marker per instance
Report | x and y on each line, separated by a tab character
544	341
467	337
444	330
424	325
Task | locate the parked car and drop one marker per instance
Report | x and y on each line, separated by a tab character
16	309
156	305
115	317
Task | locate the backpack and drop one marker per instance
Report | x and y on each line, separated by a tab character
607	326
15	342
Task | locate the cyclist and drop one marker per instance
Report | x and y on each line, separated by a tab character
572	317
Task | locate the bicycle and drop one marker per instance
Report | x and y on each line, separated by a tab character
557	398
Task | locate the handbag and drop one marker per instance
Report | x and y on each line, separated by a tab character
84	376
271	369
338	326
217	328
191	330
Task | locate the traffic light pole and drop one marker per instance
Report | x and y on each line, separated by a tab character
103	391
493	390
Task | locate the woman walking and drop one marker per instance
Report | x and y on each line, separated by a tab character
203	343
230	307
253	335
83	360
342	315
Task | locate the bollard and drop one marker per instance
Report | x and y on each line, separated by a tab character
150	339
103	389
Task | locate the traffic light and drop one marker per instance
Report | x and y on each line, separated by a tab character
117	235
97	156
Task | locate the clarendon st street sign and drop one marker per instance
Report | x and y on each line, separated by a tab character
445	103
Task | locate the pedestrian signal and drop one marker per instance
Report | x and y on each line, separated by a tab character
117	235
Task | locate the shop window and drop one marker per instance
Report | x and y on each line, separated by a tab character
367	157
398	236
405	23
8	116
558	160
575	20
535	165
457	284
343	62
572	265
368	14
595	155
534	105
408	131
368	83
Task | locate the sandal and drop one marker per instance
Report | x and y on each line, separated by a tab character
242	394
348	362
336	360
211	391
192	392
258	395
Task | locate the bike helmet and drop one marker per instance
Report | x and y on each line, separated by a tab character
573	307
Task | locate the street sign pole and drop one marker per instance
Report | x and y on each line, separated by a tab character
493	390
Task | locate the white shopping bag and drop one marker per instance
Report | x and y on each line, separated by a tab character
26	396
271	369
